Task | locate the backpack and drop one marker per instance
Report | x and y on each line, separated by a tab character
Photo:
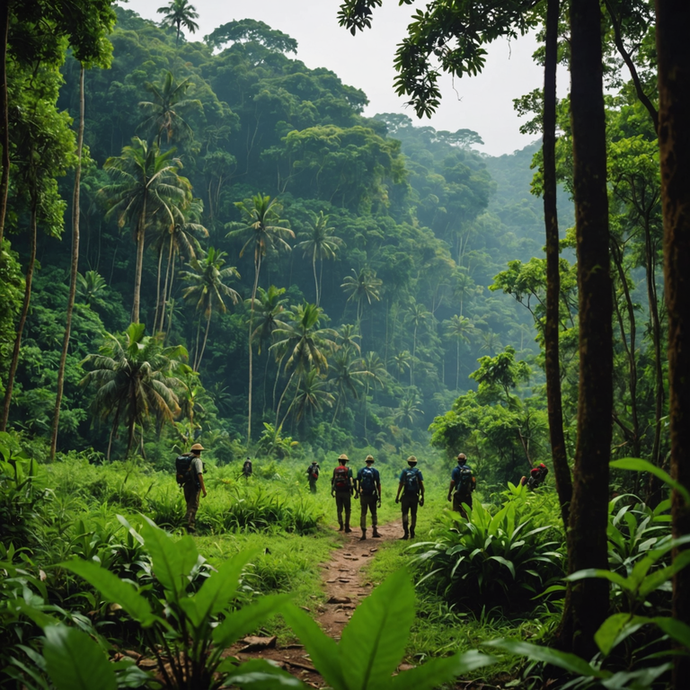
464	485
247	468
367	483
537	476
313	471
411	481
341	477
183	468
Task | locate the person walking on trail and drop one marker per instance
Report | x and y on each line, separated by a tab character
193	484
247	468
313	475
462	484
412	487
368	489
342	488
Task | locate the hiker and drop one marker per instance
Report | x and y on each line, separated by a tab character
411	485
313	475
462	484
368	489
247	468
193	482
341	488
536	476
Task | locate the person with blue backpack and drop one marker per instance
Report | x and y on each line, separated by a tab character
368	490
412	488
462	484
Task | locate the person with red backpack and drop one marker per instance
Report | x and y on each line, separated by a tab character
342	488
536	476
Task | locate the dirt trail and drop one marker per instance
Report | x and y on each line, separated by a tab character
345	585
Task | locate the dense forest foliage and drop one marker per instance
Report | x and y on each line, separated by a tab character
206	241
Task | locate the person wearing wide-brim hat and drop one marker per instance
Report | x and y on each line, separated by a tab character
342	488
195	486
368	489
412	487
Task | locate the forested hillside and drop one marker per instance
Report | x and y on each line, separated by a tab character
391	232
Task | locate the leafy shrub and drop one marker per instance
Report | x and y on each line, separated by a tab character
488	560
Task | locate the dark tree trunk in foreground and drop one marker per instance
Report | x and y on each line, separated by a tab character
587	546
4	114
564	485
673	20
74	269
25	307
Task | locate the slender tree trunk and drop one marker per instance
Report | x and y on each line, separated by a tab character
316	282
457	366
166	286
587	543
280	402
74	269
320	280
559	456
158	288
141	237
673	18
25	309
4	115
196	343
203	347
257	268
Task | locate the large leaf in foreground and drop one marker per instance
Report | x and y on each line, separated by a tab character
373	643
247	619
437	671
75	662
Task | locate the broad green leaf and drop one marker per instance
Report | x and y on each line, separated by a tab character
658	577
438	671
643	679
676	629
505	562
322	649
112	588
611	631
42	619
373	642
260	674
639	465
617	579
564	660
172	560
642	567
247	619
75	662
219	589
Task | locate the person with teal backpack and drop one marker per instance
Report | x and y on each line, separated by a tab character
368	489
462	484
412	487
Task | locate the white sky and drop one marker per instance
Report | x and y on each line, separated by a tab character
483	104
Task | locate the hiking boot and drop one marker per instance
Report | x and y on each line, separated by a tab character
347	529
376	533
405	536
364	535
411	534
340	529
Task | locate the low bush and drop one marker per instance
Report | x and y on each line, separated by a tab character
489	560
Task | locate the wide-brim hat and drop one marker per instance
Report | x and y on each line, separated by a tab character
344	457
197	446
369	458
412	460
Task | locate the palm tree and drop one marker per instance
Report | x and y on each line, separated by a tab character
311	396
207	290
407	411
347	338
347	377
362	286
179	13
402	363
136	377
164	113
321	244
261	226
302	345
147	185
458	328
91	289
179	239
374	366
416	316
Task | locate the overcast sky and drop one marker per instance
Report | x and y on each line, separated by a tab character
483	104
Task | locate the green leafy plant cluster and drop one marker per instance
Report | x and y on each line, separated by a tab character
488	559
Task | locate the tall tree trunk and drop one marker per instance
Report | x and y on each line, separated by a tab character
316	282
673	18
74	269
587	543
561	470
4	115
161	327
25	308
158	288
257	269
141	238
203	347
